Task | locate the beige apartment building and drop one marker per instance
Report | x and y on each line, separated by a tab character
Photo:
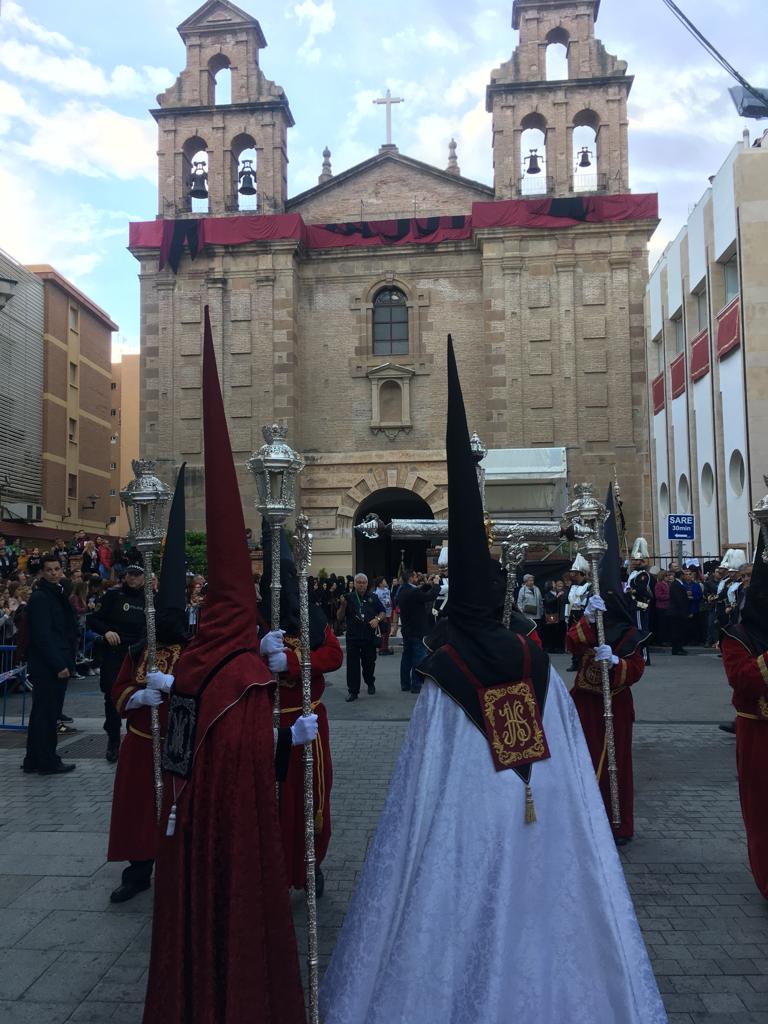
125	401
330	309
707	349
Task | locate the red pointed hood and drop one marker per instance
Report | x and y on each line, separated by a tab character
228	619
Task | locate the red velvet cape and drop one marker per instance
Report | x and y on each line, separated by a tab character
223	944
326	658
581	640
748	676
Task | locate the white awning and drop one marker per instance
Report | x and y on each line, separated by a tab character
524	465
526	483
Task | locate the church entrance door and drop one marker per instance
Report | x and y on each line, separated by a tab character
383	557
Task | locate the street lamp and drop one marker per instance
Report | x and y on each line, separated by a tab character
145	499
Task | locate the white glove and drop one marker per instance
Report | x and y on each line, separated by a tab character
272	643
278	662
605	653
159	681
146	697
594	605
304	730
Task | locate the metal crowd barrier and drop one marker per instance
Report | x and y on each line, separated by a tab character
11	677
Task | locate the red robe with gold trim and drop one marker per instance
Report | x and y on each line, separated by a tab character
748	677
133	825
587	694
326	658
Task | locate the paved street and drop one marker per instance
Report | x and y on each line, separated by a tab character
68	955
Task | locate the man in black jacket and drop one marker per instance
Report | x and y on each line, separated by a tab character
120	621
52	643
363	612
679	612
412	600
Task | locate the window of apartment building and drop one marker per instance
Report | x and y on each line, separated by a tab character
113	412
71	485
679	333
112	492
390	323
113	439
657	352
72	429
73	374
113	465
731	279
113	386
702	309
74	318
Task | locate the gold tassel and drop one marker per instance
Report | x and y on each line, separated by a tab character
319	821
530	810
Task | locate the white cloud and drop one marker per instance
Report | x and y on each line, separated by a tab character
320	19
78	75
488	24
443	42
412	40
14	15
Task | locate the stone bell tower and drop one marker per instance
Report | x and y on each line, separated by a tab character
594	96
193	127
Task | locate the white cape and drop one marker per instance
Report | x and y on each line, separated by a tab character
465	915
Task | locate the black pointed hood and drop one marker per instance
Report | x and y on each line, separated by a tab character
620	618
171	600
754	615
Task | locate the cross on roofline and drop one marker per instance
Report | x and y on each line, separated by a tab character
387	101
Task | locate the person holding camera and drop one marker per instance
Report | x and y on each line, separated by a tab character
363	613
413	599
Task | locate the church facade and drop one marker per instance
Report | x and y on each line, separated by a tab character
334	324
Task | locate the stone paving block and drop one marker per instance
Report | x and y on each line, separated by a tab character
37	1013
107	1013
69	978
19	968
78	893
62	853
15	925
84	931
13	886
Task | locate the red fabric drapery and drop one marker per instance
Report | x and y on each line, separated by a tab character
728	336
677	375
544	213
700	355
657	389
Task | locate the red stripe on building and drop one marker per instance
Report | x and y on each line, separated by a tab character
700	355
657	389
728	334
677	374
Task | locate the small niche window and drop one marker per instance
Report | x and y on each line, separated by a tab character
678	329
731	279
73	374
74	318
72	430
702	312
113	386
71	485
113	465
390	323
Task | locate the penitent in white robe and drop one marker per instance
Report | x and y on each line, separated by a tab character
466	915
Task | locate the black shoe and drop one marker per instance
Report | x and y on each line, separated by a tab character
405	689
27	769
127	890
415	689
59	769
572	668
66	718
113	749
350	697
622	840
62	728
371	690
728	727
680	653
319	882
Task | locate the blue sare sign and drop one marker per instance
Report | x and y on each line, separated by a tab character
681	527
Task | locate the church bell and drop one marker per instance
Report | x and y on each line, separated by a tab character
247	178
533	162
198	181
584	155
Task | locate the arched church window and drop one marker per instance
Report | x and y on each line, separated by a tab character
587	176
195	152
533	156
557	55
221	80
390	323
244	177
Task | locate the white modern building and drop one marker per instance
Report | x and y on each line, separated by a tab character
707	351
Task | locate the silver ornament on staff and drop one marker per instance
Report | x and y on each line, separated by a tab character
146	499
588	512
759	515
302	548
513	551
274	467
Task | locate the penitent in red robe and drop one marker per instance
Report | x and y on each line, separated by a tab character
223	945
326	658
748	676
133	832
587	695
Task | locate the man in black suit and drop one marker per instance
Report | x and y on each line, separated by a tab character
679	612
52	644
415	621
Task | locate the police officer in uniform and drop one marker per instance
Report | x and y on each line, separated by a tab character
121	623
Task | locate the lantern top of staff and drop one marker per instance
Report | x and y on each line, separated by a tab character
274	467
478	449
145	498
587	511
759	513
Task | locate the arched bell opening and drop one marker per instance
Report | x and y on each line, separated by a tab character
556	60
220	80
533	156
587	176
244	174
385	555
195	159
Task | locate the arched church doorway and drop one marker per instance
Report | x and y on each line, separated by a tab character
382	557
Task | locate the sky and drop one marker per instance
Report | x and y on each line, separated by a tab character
78	146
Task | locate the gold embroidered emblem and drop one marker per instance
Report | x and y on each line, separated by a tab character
762	707
166	662
590	676
293	643
513	725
